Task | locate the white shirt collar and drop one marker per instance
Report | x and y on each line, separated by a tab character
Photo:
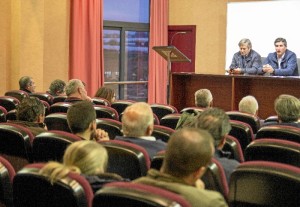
149	138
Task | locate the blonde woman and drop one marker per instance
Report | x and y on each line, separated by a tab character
83	157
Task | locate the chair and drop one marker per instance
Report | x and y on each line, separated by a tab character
11	115
57	121
59	107
170	120
3	113
7	174
242	132
161	132
157	160
261	183
214	178
106	112
233	146
192	109
273	119
161	110
101	101
51	145
15	144
18	94
57	99
9	102
47	107
32	189
120	105
126	159
43	96
112	127
274	150
250	119
135	194
279	132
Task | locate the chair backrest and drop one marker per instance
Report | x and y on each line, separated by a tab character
192	110
15	144
250	119
126	159
163	133
43	96
60	107
162	110
9	102
279	132
120	105
57	121
242	132
57	99
106	112
261	183
170	120
51	145
47	107
275	150
233	146
32	189
273	119
18	94
157	161
214	178
11	115
3	113
101	101
7	174
135	194
111	126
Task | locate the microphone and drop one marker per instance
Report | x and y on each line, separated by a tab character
172	38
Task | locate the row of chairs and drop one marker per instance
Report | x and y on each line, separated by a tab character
256	183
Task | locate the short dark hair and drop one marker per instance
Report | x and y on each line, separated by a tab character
188	149
29	109
280	39
214	120
24	82
80	115
56	87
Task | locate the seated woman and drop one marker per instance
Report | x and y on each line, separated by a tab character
83	157
106	93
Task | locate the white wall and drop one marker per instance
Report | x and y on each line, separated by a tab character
262	22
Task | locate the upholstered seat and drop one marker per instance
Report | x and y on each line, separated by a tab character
162	110
111	126
250	119
7	174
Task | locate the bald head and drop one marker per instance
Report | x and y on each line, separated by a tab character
136	119
188	150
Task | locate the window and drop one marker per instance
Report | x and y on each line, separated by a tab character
126	37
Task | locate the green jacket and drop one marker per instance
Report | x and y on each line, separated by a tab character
196	197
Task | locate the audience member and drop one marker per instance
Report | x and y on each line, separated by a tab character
137	126
188	153
31	114
203	98
249	105
75	90
86	158
246	61
81	117
27	84
57	88
106	93
216	121
287	108
282	62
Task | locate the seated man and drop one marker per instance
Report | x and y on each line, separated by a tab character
216	121
188	153
27	84
57	88
31	114
75	90
203	98
137	126
287	108
249	105
81	118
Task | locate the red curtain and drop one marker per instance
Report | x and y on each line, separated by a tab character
159	12
86	43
